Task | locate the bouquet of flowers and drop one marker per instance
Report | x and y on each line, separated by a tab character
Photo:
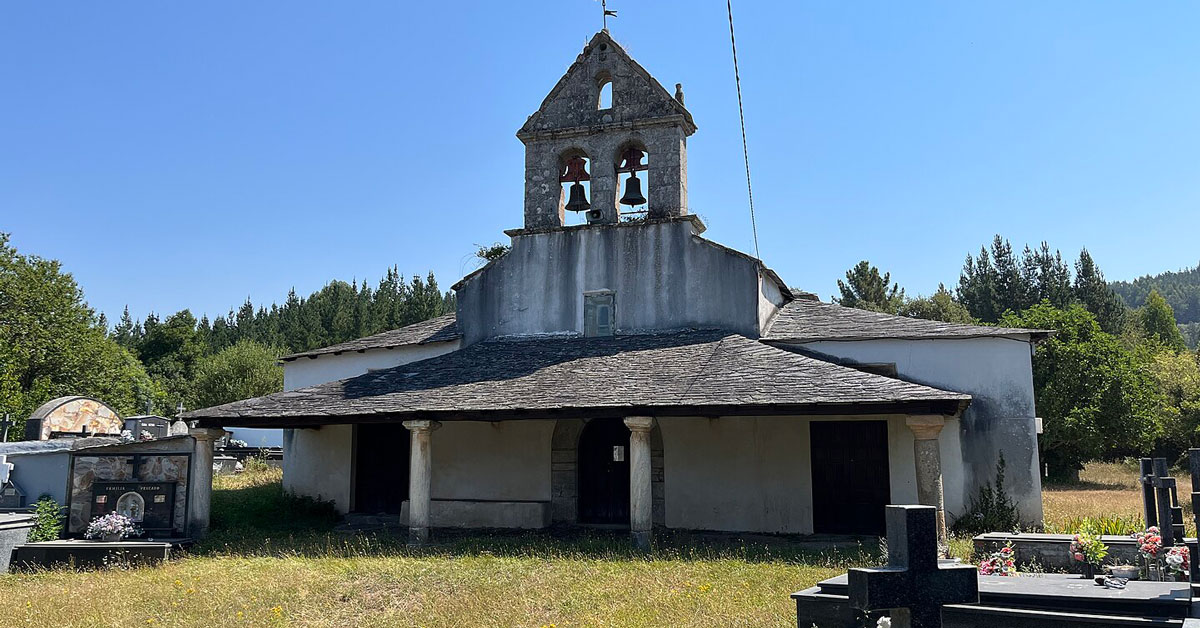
1178	560
1087	548
112	525
1149	543
999	563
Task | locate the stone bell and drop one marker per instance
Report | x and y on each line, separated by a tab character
577	201
633	191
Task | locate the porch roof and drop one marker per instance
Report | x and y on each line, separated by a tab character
683	373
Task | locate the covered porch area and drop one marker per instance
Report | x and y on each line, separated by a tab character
695	430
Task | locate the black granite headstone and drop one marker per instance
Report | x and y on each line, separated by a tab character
913	586
151	505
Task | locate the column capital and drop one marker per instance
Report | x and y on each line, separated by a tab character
639	423
926	426
206	433
421	426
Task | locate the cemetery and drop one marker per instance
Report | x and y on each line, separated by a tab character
144	472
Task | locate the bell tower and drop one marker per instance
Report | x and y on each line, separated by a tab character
608	141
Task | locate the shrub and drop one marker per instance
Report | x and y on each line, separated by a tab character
49	523
992	510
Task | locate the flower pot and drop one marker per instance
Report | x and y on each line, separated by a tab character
1129	572
111	538
1089	571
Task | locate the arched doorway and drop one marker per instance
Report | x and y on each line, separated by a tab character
604	473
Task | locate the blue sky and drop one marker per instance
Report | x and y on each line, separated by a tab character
192	154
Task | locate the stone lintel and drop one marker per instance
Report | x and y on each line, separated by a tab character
926	426
581	131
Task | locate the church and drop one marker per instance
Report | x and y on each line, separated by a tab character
627	372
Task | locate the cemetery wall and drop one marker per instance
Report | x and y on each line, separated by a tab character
317	463
997	373
41	473
754	473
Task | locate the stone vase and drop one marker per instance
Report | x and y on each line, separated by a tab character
111	538
1089	571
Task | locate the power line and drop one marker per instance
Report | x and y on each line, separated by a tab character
737	79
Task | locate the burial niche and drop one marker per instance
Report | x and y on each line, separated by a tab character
850	484
381	453
133	506
604	473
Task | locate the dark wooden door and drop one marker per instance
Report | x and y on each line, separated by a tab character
380	467
850	484
604	472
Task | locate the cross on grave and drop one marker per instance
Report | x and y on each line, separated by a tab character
913	586
1160	500
5	423
1194	467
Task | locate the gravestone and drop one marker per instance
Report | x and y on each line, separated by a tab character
151	505
1160	501
913	585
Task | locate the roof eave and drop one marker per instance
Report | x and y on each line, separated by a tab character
952	405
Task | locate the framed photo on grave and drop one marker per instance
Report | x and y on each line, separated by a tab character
151	505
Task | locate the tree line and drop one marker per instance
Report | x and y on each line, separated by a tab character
1112	381
53	344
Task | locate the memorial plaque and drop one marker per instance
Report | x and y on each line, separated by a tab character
151	505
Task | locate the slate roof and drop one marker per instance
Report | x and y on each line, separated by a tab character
806	320
681	373
438	329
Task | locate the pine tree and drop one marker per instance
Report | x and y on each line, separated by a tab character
1093	292
866	289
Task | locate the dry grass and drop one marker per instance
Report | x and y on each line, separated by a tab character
1105	491
276	575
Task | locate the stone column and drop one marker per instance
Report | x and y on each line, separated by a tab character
928	458
641	501
200	476
420	473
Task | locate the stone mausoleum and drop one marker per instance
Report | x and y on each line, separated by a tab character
628	372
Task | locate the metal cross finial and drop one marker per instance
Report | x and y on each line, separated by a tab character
5	424
606	12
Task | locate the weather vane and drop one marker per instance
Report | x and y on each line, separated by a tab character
607	13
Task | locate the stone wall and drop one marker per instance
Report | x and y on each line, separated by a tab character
564	478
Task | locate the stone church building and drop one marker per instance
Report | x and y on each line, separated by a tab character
628	372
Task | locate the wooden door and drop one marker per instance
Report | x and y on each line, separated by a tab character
850	483
604	472
380	467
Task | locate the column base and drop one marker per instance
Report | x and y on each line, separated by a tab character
418	536
641	540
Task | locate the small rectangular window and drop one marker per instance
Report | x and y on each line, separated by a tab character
598	314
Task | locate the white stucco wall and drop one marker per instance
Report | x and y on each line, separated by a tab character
304	372
317	463
507	461
997	373
754	473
